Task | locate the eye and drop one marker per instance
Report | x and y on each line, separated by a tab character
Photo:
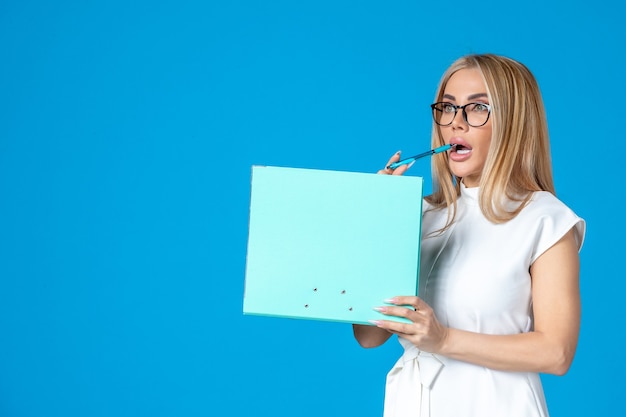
479	107
448	108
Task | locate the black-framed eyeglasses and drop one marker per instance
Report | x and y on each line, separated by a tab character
474	114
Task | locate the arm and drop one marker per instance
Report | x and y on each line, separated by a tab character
549	348
371	336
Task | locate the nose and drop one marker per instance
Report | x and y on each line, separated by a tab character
459	120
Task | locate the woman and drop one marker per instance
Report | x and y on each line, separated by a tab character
499	296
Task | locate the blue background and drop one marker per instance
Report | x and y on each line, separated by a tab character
127	133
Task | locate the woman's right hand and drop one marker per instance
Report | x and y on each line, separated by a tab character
371	336
398	171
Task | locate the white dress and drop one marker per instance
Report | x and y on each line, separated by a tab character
476	277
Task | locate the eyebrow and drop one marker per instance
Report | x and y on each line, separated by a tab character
470	97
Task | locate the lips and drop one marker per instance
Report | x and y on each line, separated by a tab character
461	150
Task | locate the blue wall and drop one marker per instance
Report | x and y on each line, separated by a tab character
127	133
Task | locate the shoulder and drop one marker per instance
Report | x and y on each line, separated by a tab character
544	204
433	218
547	200
426	205
552	219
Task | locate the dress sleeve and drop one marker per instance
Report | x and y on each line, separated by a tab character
554	220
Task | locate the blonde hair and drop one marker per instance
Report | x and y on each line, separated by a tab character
518	162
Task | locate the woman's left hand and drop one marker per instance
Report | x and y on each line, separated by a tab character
424	331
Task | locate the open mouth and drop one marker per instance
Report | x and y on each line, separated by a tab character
462	150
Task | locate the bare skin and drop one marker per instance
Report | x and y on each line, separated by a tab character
550	347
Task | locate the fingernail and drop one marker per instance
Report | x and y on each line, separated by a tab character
380	309
390	300
410	165
375	322
398	153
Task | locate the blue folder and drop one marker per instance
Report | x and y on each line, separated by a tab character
330	245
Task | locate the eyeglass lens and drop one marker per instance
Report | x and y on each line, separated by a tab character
475	114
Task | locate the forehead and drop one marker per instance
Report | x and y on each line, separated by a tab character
465	83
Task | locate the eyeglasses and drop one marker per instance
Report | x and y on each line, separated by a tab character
474	114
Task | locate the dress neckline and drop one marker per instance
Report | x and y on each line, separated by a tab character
469	195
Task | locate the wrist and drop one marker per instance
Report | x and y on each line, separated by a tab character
444	345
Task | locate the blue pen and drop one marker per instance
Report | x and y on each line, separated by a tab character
413	158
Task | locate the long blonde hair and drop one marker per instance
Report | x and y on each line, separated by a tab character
518	162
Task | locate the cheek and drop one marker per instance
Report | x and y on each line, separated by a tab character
482	157
484	144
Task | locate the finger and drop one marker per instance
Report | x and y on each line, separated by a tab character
404	311
394	158
387	170
410	300
394	326
400	170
